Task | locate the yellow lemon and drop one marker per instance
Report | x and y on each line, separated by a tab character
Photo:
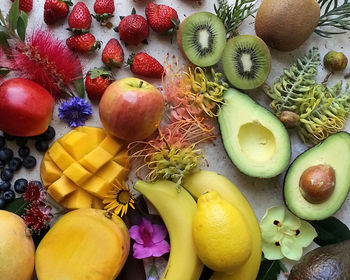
220	232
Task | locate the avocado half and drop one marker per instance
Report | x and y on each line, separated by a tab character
255	140
335	152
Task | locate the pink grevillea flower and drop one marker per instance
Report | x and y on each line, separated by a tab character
149	240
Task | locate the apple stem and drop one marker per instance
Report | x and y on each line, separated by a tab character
141	83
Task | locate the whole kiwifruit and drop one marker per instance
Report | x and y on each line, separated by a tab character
286	24
201	38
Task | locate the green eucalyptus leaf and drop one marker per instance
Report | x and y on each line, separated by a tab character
17	206
13	15
79	86
21	27
4	71
330	231
269	270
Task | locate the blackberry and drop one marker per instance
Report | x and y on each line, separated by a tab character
9	195
20	185
2	141
2	203
41	145
4	186
23	151
29	162
5	154
21	141
15	164
49	134
6	174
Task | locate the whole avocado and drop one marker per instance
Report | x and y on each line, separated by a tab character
331	262
286	24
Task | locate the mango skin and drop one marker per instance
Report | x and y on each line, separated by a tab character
204	181
16	248
84	244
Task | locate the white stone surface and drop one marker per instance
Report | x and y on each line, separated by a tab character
260	193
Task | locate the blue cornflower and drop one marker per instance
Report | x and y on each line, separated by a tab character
75	111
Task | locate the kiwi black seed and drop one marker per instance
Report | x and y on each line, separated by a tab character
202	38
246	61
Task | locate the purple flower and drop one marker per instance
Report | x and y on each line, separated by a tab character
149	240
74	111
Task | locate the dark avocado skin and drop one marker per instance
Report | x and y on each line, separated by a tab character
331	262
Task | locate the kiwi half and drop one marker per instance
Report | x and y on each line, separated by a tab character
202	38
246	61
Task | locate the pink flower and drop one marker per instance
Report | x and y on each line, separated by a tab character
37	216
149	240
34	192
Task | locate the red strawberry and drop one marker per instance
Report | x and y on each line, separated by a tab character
83	43
79	19
145	65
161	18
96	82
104	9
113	54
25	5
55	10
133	29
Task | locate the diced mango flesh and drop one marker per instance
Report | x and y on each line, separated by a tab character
79	169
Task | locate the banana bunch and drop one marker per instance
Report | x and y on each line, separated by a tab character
177	209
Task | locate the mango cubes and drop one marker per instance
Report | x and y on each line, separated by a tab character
78	170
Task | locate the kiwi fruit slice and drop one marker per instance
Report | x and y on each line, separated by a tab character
246	61
202	38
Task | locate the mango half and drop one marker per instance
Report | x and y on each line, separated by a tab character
79	168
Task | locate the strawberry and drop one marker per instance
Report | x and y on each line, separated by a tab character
113	54
83	43
133	29
145	65
161	18
25	5
55	10
79	19
104	10
96	82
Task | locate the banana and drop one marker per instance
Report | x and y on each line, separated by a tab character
176	209
204	181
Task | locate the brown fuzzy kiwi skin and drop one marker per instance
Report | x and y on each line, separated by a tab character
286	24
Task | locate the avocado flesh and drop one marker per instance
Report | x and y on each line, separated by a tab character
331	262
254	139
334	151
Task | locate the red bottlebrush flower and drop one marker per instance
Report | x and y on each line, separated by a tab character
34	192
37	216
47	61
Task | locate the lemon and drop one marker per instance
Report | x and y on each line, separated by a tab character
220	232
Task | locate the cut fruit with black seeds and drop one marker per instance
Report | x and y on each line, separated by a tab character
29	162
5	154
23	152
20	185
41	145
2	203
6	174
21	141
2	141
15	164
246	61
9	196
9	137
4	186
49	134
202	38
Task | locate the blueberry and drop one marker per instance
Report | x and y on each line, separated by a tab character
29	162
21	141
36	183
4	186
23	152
15	163
5	154
2	165
41	145
6	174
49	134
9	195
20	185
2	203
9	136
2	141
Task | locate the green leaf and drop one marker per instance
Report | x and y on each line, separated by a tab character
269	270
4	71
3	39
22	25
330	231
17	206
13	15
79	86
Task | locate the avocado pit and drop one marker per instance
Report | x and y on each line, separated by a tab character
317	183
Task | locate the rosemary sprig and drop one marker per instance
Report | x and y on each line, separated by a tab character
334	16
233	15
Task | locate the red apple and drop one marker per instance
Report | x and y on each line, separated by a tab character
25	107
131	109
